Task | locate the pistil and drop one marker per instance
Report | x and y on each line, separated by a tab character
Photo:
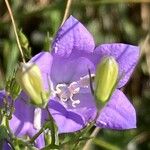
66	92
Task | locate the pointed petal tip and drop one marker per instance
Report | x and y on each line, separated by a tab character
72	37
118	114
126	55
72	17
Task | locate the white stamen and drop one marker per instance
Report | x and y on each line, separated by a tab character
104	123
37	118
66	92
74	88
63	92
58	88
74	101
85	81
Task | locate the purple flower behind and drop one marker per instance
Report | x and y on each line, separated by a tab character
65	69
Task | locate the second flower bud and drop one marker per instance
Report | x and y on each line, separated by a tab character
29	78
106	78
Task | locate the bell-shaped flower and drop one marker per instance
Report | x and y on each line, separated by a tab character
65	70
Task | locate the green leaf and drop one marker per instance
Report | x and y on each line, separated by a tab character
23	144
12	86
11	54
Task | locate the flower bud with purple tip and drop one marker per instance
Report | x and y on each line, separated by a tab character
29	78
106	78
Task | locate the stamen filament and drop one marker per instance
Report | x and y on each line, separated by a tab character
66	92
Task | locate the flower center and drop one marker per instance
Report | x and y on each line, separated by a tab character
66	92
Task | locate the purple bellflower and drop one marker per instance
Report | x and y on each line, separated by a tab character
65	72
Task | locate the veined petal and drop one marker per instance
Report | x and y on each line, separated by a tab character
21	123
86	108
67	70
72	36
67	121
71	119
22	120
22	117
126	55
118	113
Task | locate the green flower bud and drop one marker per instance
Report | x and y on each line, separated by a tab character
106	78
30	79
25	44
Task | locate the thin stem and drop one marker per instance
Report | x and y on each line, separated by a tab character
15	30
36	135
53	138
87	130
89	142
94	133
66	11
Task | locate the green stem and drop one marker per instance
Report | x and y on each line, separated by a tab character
26	144
44	128
89	142
15	30
3	122
36	135
8	135
87	130
53	140
66	11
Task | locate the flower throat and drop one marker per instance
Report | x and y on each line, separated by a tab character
66	92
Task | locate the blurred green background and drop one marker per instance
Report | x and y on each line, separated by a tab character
108	21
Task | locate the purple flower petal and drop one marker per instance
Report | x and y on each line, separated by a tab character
86	108
6	146
22	118
21	123
44	61
72	36
70	119
126	55
67	70
39	142
118	113
2	95
67	121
